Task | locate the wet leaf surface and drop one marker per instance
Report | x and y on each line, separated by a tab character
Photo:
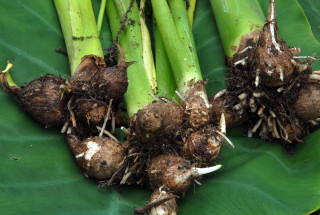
38	174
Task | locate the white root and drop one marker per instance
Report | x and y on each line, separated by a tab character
64	127
107	133
106	119
243	96
305	57
257	95
294	63
226	138
272	20
301	67
260	111
242	62
245	49
283	131
257	125
69	130
222	124
275	131
314	77
237	106
252	105
203	171
313	122
219	94
126	131
153	96
281	74
166	100
280	89
257	80
272	113
181	97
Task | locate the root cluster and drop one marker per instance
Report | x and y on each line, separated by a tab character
271	88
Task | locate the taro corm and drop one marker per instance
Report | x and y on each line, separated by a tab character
96	87
265	76
166	137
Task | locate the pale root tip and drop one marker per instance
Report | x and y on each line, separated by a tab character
203	171
223	126
9	66
226	138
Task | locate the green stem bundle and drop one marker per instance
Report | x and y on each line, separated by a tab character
79	29
166	83
236	18
177	36
135	42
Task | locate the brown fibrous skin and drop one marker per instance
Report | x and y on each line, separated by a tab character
222	105
169	207
158	119
90	111
99	157
268	77
197	105
276	70
203	146
111	82
172	171
82	77
307	105
94	79
43	98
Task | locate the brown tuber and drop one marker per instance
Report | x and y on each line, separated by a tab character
220	104
43	98
275	63
99	157
161	202
174	172
197	105
203	146
265	78
96	80
307	105
111	82
158	119
90	111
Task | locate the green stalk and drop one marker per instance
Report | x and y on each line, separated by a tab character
191	9
177	36
79	29
165	79
236	18
166	83
136	45
101	14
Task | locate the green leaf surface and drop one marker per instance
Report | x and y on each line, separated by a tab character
312	10
38	174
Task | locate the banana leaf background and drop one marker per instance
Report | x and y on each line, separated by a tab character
38	174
